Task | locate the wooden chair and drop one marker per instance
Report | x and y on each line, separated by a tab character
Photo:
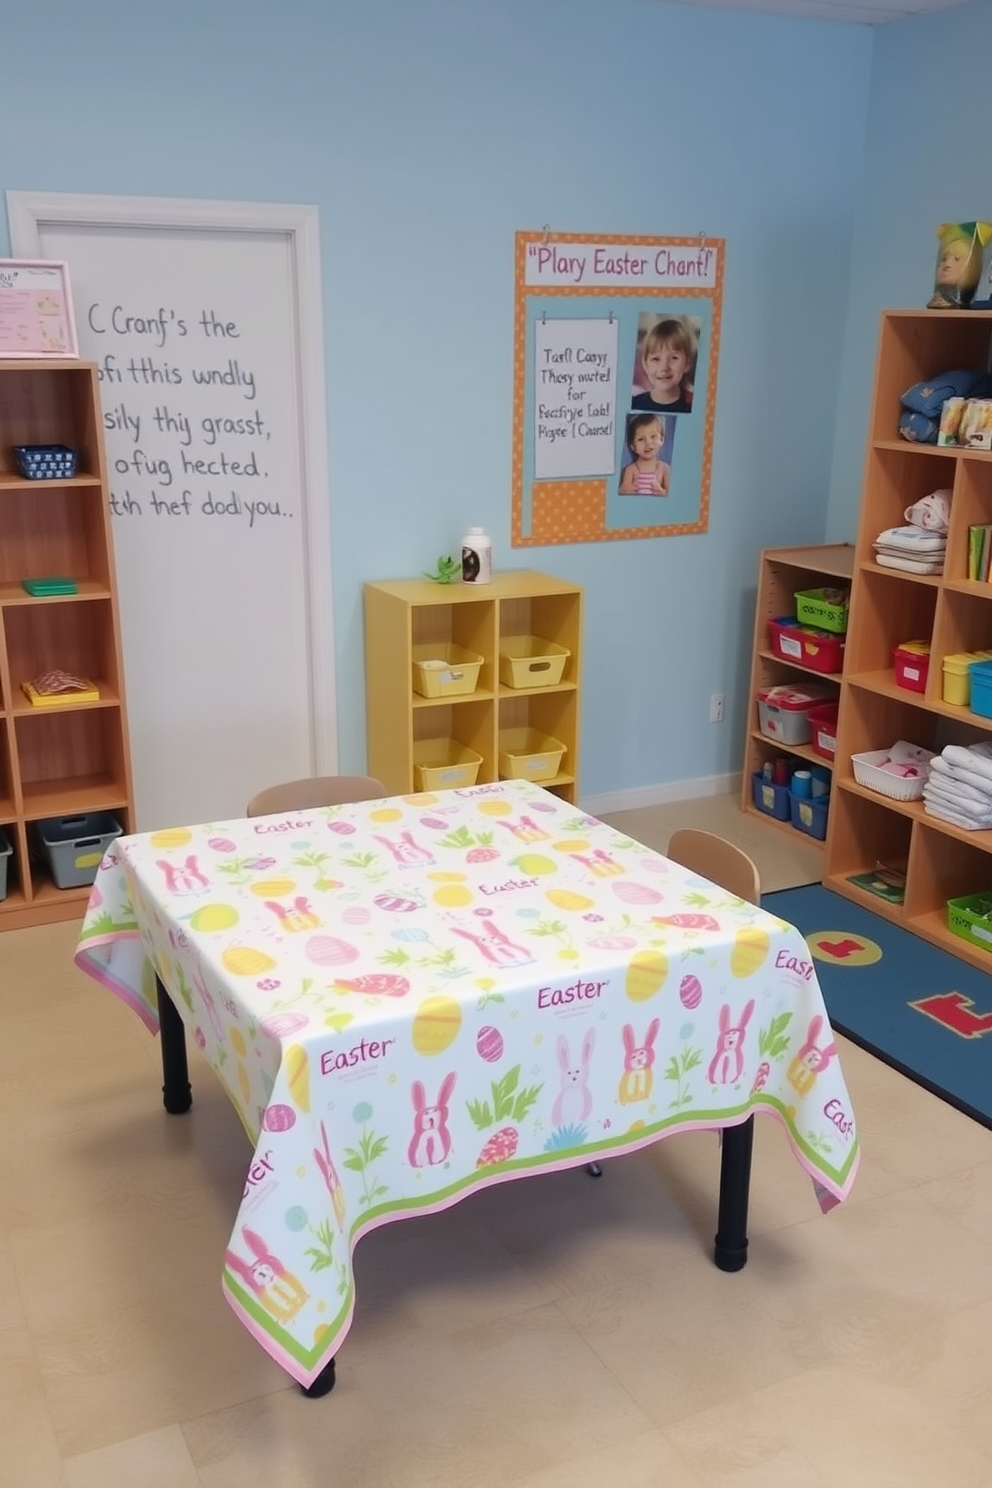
718	860
318	790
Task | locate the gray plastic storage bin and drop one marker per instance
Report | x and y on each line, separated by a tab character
74	845
5	852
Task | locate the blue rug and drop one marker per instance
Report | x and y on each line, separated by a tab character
924	1012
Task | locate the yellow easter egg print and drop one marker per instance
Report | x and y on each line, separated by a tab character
646	973
386	814
271	888
571	844
246	961
534	864
440	877
436	1025
495	808
751	946
244	1084
298	1074
452	896
238	1042
422	798
568	899
214	917
636	1126
171	837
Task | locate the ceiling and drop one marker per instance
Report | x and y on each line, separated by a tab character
853	12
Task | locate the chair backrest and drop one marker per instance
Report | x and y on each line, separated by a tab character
718	860
318	790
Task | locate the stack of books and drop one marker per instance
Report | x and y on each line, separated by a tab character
980	551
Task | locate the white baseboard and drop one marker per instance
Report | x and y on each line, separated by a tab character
660	795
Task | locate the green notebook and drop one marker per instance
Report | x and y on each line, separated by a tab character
50	586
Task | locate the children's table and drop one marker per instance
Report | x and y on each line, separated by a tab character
409	999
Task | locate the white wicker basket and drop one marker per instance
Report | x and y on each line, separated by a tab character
867	771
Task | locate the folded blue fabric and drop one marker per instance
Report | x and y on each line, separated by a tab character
918	428
929	397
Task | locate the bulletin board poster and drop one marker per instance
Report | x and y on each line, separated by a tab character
616	344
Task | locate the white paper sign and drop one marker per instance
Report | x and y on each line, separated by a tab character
575	397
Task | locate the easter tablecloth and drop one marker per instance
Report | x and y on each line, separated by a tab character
410	998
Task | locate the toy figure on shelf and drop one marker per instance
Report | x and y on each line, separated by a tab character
959	264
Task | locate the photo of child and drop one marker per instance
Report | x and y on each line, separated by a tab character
665	363
646	473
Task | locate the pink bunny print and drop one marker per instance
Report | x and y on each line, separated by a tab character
185	880
637	1080
493	943
574	1100
329	1173
810	1060
727	1064
275	1288
406	851
300	915
431	1140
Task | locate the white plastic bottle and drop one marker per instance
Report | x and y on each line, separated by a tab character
477	557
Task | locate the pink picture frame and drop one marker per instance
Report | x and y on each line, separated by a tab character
36	316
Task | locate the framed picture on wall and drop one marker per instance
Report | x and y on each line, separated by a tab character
36	318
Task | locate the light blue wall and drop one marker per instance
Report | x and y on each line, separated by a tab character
924	164
428	132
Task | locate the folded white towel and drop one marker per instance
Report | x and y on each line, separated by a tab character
975	789
909	565
977	758
945	813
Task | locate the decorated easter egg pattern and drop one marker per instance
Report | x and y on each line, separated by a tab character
613	942
636	893
244	1083
495	808
281	1025
690	991
489	1043
386	814
298	1072
171	837
356	914
222	844
395	904
646	973
437	1024
534	864
570	845
242	960
751	946
214	917
238	1042
279	1118
453	896
343	828
330	950
568	899
271	888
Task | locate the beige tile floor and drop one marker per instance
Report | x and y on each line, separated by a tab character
553	1333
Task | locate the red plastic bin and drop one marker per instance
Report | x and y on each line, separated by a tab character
912	664
823	722
816	649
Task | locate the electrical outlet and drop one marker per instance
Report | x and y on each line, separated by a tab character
716	707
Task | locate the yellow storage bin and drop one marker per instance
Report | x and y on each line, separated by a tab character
524	754
956	686
529	661
444	764
445	670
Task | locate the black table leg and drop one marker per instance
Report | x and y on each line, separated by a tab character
730	1251
177	1095
322	1385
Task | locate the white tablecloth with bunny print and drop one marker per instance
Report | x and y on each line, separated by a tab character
410	998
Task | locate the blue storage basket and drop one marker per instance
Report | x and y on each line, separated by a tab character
770	798
809	815
981	688
45	461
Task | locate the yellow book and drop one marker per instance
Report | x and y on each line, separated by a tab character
88	694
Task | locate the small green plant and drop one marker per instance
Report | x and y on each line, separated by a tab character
446	570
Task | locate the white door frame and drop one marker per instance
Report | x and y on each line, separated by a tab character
28	212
